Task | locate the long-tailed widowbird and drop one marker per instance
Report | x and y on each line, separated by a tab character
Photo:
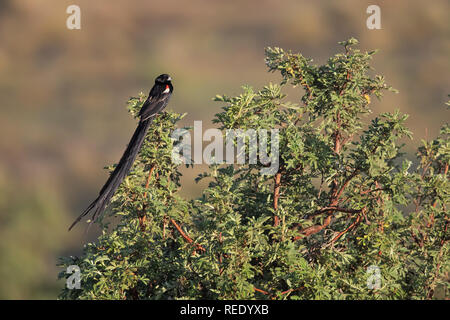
157	100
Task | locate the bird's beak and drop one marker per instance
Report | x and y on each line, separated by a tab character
169	79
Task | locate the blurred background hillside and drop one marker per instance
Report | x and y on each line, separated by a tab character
63	93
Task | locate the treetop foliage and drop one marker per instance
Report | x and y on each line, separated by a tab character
345	200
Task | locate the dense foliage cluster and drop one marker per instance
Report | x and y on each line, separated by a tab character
345	202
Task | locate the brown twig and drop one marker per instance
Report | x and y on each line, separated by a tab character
292	290
345	184
358	219
445	232
380	203
284	292
335	195
186	237
148	179
314	229
338	209
276	196
262	291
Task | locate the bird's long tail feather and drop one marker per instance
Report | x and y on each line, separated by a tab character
119	173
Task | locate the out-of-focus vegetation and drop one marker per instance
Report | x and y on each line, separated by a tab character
62	92
30	233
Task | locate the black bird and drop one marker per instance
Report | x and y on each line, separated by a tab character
157	100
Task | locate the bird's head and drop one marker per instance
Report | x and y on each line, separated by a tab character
163	79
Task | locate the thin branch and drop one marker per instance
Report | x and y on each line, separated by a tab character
276	196
339	209
345	184
148	180
262	291
186	237
292	290
284	292
358	219
332	208
314	229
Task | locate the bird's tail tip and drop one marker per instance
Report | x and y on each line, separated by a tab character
85	212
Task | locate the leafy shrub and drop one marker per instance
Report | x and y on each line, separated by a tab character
345	200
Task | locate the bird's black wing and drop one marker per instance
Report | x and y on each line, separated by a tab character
153	105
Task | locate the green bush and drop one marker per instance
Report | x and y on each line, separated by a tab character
344	205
